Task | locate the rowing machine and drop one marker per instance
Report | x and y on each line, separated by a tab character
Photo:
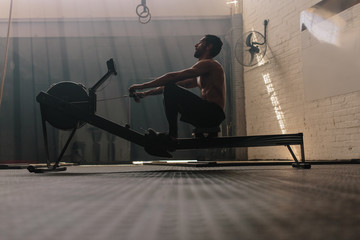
69	106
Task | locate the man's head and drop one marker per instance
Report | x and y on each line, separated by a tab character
210	44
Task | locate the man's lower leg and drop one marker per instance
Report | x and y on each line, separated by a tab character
171	108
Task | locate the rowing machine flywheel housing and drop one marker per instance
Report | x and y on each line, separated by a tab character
71	92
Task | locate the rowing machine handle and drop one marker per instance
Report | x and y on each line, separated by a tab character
133	94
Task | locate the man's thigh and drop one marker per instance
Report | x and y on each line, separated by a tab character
201	114
193	109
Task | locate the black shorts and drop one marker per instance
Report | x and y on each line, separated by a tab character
194	109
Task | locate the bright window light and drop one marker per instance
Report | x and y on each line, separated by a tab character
275	102
232	2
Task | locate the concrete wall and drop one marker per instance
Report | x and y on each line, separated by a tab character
274	92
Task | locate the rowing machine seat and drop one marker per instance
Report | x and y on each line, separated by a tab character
206	132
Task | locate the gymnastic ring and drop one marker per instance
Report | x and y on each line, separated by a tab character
145	12
145	20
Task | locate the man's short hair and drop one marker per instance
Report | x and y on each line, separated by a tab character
216	43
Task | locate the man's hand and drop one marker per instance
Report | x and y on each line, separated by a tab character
136	95
135	87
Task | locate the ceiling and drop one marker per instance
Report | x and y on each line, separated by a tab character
25	9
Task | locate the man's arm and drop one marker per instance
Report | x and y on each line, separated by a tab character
188	83
200	68
155	91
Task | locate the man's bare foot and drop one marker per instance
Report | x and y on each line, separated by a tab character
169	141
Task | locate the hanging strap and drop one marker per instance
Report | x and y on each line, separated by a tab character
6	54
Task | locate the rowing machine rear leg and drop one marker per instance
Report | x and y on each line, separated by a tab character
297	164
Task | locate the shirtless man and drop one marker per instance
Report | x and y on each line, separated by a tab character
207	74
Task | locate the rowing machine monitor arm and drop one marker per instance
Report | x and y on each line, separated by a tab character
92	90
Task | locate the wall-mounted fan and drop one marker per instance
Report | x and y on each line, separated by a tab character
251	48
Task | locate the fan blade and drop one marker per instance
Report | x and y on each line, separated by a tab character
252	58
248	40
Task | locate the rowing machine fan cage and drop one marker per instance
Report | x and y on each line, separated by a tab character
71	92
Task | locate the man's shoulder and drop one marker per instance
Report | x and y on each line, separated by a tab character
207	62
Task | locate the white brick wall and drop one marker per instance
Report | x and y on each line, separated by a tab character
331	126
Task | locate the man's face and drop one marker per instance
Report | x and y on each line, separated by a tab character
200	48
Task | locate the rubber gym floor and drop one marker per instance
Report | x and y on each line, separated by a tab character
156	202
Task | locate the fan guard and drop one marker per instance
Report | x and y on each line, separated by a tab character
251	48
